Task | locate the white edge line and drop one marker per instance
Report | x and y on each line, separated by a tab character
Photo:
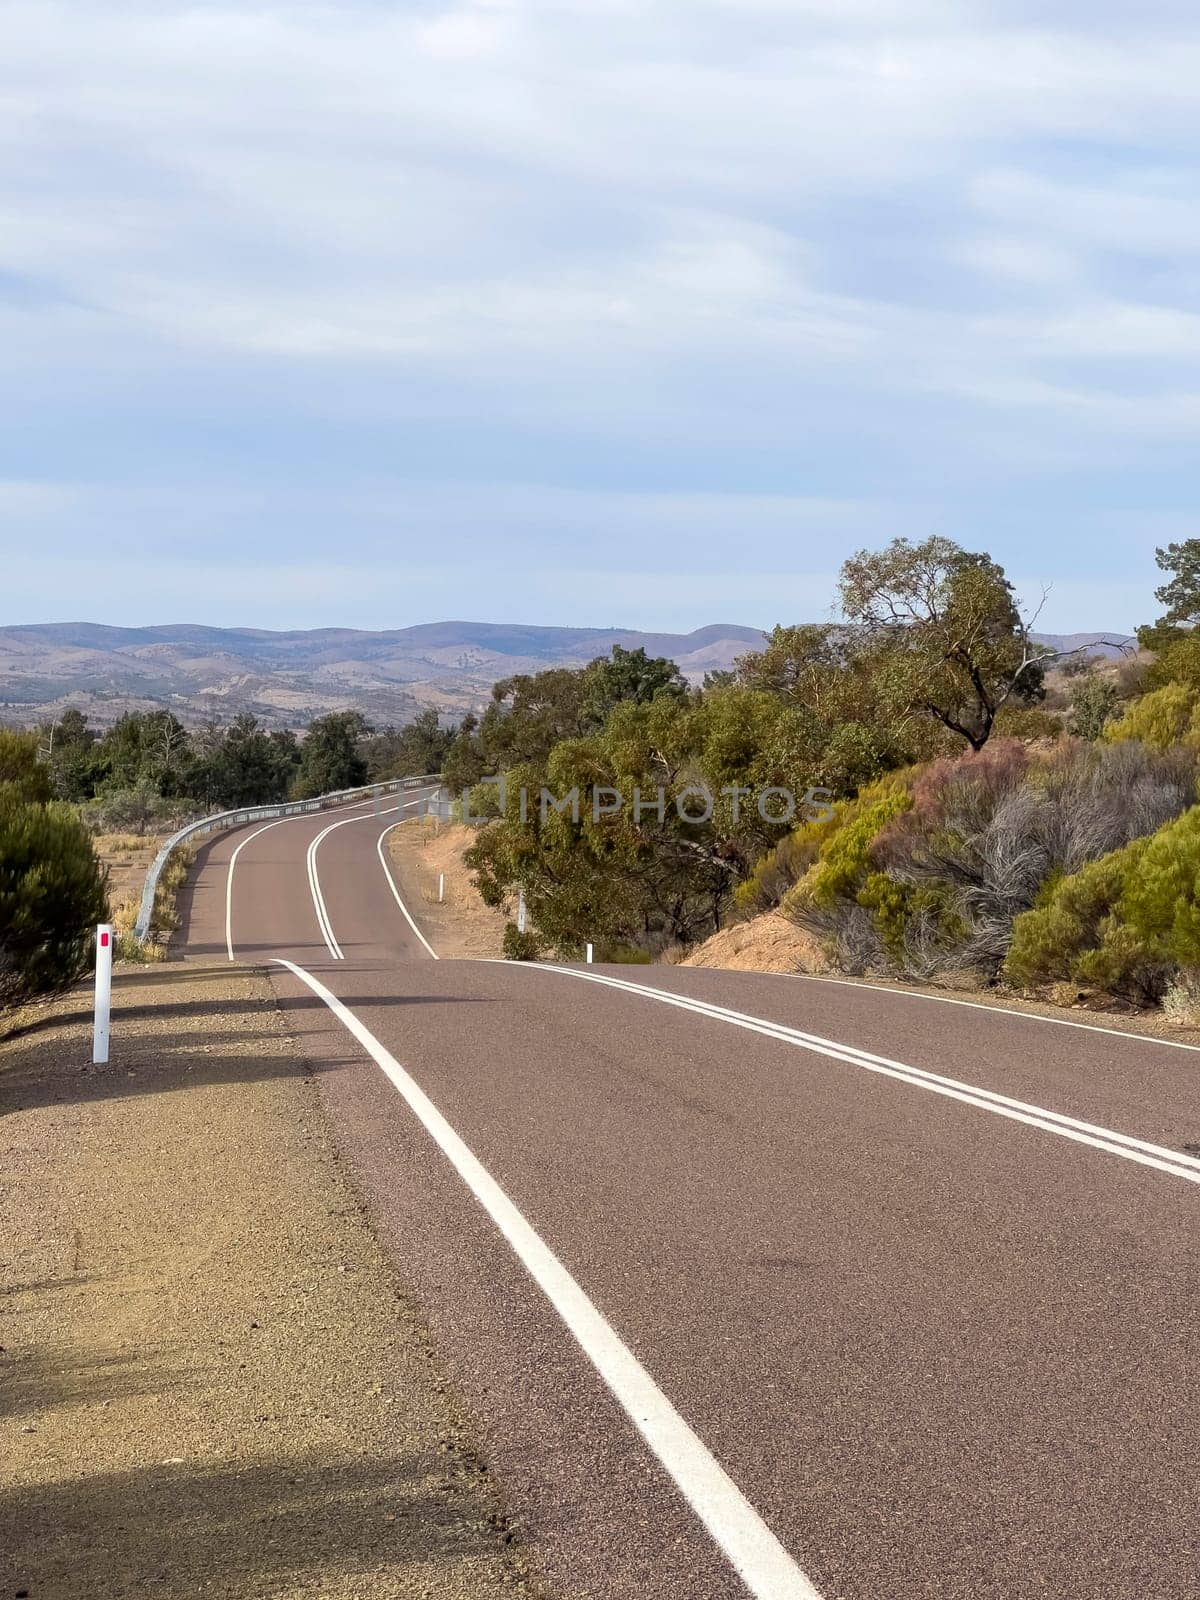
305	816
982	1005
757	1556
314	880
1176	1164
391	882
229	878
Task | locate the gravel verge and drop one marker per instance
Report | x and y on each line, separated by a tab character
211	1381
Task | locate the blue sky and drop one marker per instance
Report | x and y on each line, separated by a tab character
639	313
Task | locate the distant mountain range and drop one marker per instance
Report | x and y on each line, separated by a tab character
285	679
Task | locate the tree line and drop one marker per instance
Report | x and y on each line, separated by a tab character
994	809
66	782
148	765
930	653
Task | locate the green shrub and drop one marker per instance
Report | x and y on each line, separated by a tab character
1166	716
1027	722
900	908
20	769
1092	705
52	894
843	859
781	868
931	884
1127	924
518	946
1161	899
1075	916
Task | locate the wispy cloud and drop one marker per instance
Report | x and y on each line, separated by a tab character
937	260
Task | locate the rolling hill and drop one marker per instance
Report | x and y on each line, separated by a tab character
287	678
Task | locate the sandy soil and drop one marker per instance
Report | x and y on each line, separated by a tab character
462	926
211	1381
128	858
768	943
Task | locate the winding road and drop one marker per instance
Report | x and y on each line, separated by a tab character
760	1285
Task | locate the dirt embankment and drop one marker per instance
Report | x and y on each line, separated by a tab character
460	925
769	943
212	1381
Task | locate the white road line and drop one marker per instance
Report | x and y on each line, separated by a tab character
318	899
1175	1163
757	1556
391	882
305	816
980	1005
323	923
314	881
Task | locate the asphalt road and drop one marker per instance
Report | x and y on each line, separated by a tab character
852	1293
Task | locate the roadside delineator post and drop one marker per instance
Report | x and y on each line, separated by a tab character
521	911
441	887
104	959
589	955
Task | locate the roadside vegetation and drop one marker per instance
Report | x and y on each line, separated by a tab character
1002	816
954	801
147	771
83	811
52	887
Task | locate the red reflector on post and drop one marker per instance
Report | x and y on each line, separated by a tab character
104	941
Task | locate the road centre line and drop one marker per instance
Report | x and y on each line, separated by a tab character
323	922
314	889
1175	1163
314	881
757	1556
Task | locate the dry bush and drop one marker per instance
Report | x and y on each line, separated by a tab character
1181	1002
164	918
937	889
113	844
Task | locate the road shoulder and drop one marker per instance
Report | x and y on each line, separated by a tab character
424	851
212	1377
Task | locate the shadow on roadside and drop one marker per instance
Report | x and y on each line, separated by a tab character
271	1527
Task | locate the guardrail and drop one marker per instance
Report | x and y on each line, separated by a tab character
232	819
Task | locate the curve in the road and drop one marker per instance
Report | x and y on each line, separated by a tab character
930	1355
324	923
1177	1164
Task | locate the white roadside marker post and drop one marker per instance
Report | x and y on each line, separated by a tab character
104	958
441	887
589	955
521	911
